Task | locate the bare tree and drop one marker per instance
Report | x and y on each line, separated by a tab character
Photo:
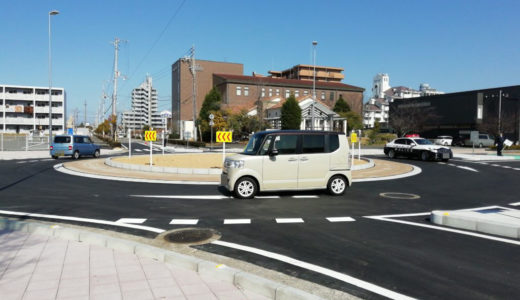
406	119
490	124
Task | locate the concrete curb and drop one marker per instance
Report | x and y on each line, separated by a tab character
194	171
240	279
467	220
370	164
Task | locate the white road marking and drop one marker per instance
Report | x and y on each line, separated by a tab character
137	150
515	204
506	167
518	169
305	196
389	218
495	165
341	219
86	220
237	221
184	221
47	159
453	165
192	197
131	221
22	162
125	147
289	220
267	197
467	168
327	272
60	168
441	163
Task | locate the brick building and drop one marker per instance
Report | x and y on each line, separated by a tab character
246	92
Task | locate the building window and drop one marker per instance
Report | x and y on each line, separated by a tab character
263	92
270	92
305	93
277	92
296	93
287	93
331	98
322	95
246	91
239	91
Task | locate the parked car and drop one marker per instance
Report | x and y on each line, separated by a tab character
289	160
74	146
444	140
417	148
483	140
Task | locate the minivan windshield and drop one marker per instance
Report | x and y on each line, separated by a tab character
254	144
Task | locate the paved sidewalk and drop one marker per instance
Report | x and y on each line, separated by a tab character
34	266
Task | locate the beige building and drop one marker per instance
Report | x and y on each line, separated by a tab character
305	72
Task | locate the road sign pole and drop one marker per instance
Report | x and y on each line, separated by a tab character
151	153
129	143
163	142
211	142
223	152
359	146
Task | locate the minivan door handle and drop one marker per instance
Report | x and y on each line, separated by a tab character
292	159
304	159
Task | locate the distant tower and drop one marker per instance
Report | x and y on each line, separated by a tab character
380	85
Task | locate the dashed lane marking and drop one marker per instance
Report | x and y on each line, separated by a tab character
288	220
507	167
138	150
518	169
267	197
495	165
515	204
131	221
324	271
341	219
191	197
184	221
22	162
237	221
467	168
305	196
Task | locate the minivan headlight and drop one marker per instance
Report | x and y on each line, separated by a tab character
234	164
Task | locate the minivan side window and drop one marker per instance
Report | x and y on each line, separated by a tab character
265	146
333	142
313	143
78	139
87	140
286	144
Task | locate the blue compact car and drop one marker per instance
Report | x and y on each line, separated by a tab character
74	146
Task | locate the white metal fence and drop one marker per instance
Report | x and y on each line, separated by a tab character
23	142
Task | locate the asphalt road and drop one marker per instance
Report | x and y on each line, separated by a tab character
414	261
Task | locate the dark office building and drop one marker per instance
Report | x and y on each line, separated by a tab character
464	111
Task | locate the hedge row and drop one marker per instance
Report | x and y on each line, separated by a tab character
109	141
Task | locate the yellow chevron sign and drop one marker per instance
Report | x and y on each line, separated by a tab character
224	136
150	136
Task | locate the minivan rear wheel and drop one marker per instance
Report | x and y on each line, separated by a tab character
245	188
75	155
337	185
96	154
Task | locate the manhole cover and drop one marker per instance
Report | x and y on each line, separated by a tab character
399	196
190	235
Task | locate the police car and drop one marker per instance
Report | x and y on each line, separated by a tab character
417	147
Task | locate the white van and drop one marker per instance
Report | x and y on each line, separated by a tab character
289	160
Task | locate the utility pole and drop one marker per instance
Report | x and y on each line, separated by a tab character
194	68
85	119
116	75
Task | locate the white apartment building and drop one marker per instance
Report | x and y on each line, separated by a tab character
377	108
25	109
144	108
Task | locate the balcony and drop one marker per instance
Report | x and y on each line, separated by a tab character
45	109
19	121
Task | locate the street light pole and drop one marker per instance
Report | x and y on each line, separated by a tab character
51	13
499	112
314	43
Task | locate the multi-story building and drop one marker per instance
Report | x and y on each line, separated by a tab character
246	92
144	108
25	109
306	72
377	107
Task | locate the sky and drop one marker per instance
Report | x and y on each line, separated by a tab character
454	45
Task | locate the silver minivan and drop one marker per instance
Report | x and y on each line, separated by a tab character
289	160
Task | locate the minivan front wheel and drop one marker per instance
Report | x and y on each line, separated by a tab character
245	188
96	154
75	155
337	185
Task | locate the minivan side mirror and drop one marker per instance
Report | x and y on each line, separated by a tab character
273	152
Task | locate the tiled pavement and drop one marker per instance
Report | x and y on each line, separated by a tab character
39	267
